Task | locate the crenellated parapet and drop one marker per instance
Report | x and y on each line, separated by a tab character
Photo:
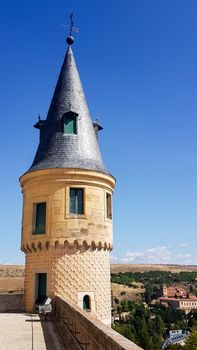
65	246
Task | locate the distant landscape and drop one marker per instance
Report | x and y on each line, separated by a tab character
12	276
150	301
116	268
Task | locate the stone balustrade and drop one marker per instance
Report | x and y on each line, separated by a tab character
81	331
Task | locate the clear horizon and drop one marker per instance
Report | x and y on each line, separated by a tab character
137	62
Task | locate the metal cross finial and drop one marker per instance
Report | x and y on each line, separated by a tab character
71	23
72	27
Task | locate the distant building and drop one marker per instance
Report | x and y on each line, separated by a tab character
172	292
177	298
175	337
186	305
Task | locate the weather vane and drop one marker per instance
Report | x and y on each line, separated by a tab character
72	27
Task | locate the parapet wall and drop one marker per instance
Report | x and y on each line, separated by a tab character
83	331
12	303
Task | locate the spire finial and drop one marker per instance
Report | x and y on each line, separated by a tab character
72	28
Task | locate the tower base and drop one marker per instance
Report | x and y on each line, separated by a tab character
79	274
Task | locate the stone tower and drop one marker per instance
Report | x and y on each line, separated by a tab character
67	205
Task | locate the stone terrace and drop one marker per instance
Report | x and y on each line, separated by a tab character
68	327
27	332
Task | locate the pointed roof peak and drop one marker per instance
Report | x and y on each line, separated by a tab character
58	149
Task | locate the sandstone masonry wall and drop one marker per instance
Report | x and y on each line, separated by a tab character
72	274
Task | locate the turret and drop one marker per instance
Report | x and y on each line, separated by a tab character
67	204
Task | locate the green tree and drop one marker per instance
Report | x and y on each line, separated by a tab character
126	331
146	325
148	292
191	341
116	300
192	319
158	325
157	341
124	305
175	347
144	339
131	305
123	293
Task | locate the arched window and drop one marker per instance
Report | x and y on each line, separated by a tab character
86	302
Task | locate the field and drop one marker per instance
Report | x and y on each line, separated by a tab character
122	292
12	277
11	284
12	271
116	268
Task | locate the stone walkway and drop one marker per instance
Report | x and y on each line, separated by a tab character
26	332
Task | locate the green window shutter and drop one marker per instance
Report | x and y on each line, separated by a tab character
40	221
80	201
70	126
109	205
76	201
42	284
72	201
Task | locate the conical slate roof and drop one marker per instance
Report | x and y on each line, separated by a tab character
59	150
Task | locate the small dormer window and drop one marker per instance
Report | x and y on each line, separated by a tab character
70	123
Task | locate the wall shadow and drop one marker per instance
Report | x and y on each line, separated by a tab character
51	334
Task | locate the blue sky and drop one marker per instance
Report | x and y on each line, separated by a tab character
137	60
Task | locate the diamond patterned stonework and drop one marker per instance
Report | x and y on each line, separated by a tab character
71	273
